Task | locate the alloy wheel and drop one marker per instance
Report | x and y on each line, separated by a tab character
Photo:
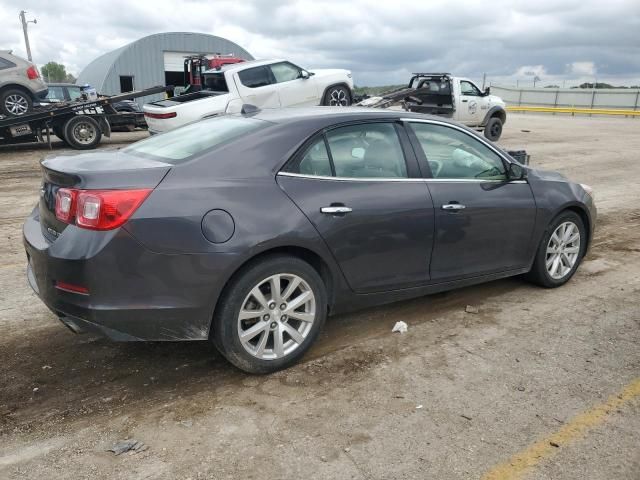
338	98
276	316
563	250
16	104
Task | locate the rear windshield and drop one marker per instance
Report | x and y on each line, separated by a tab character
215	82
179	145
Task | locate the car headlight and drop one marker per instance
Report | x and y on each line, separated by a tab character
589	190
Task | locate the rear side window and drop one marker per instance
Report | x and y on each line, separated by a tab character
179	145
370	150
255	77
4	63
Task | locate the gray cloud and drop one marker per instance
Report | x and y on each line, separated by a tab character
381	42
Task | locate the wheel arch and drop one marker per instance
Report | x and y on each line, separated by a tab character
584	215
17	86
338	84
496	112
317	262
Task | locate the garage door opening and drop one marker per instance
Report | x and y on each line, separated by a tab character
126	83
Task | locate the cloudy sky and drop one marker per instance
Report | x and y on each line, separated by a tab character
381	42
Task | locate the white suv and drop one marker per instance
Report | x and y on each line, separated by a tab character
263	83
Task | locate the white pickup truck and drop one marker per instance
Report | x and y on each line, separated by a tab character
263	83
453	97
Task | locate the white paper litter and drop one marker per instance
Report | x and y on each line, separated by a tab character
400	327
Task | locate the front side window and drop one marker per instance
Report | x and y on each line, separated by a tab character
181	144
255	77
74	92
469	89
285	72
454	154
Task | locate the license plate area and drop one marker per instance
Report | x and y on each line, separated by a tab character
20	130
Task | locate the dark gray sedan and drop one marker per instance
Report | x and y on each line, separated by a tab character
248	230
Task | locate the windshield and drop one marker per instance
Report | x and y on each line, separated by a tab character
179	145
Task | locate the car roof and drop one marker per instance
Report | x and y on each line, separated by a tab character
332	115
238	67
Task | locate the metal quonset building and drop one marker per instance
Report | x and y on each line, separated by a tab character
154	60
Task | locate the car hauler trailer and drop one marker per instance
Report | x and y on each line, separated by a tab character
80	124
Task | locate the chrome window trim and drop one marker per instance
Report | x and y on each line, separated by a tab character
456	127
408	180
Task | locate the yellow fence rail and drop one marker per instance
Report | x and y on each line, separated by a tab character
573	110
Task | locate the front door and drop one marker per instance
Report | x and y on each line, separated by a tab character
483	222
293	89
353	185
470	102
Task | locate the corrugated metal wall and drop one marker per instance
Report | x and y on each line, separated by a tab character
570	97
144	60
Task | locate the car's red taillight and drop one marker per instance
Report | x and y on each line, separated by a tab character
98	209
71	287
160	115
32	73
65	204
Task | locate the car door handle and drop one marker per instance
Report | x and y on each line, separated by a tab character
453	206
465	101
336	210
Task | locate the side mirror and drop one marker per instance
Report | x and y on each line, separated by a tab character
487	91
516	172
304	74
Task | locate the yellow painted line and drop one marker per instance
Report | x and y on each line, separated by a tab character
585	111
543	449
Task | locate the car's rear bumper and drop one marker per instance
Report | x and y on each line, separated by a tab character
134	293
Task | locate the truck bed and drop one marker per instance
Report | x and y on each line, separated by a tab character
187	97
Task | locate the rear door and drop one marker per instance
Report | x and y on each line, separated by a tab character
256	86
483	221
356	187
292	88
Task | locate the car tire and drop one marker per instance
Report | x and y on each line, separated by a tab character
259	352
82	132
337	96
551	270
15	102
493	129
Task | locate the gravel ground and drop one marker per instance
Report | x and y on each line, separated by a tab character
460	396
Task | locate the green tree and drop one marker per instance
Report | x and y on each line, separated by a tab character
54	72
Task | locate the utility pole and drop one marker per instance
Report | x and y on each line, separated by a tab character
26	34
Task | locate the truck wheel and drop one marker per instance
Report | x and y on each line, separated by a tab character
493	129
82	132
14	102
337	97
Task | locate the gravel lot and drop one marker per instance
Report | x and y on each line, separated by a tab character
538	384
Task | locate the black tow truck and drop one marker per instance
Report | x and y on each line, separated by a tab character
81	124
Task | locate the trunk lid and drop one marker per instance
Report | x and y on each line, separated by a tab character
104	170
